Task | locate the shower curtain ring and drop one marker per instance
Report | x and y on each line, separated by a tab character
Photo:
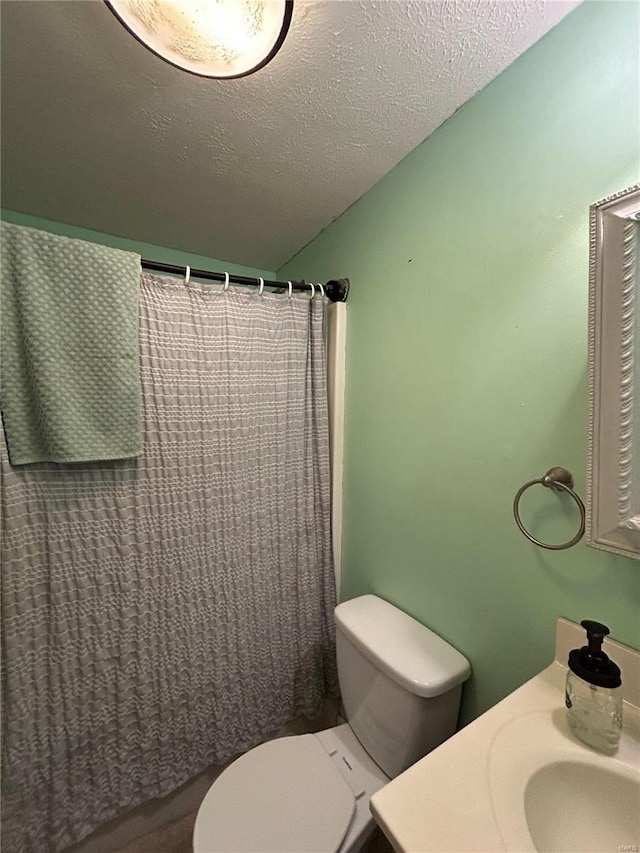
261	280
226	282
313	289
321	289
187	274
290	289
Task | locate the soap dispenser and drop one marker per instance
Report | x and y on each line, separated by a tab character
593	693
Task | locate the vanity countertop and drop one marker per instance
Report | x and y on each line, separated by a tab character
450	800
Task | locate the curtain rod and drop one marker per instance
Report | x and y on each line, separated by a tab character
337	289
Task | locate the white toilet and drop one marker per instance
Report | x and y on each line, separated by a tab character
401	687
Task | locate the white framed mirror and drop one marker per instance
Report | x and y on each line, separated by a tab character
613	459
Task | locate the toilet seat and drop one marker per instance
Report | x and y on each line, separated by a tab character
283	796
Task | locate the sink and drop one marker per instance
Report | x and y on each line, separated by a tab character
560	795
575	805
518	780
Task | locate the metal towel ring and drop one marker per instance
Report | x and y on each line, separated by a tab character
560	480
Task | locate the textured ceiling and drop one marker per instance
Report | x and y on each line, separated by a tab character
99	132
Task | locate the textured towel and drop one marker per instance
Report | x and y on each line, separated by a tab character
70	357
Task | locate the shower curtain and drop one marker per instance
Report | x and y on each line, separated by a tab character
165	613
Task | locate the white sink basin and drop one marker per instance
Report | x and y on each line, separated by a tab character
571	805
552	794
518	780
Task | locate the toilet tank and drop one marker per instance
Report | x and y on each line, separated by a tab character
400	683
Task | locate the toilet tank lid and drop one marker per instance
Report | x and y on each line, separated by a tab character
403	648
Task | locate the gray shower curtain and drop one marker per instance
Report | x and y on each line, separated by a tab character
165	613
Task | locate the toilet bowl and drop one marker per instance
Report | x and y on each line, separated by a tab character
401	687
300	794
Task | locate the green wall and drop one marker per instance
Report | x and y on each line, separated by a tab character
467	355
146	250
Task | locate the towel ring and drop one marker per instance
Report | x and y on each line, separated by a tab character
560	480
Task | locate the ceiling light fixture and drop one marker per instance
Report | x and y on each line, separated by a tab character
209	38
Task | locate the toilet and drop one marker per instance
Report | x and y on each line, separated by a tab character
401	687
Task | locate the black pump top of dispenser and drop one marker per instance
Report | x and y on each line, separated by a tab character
590	662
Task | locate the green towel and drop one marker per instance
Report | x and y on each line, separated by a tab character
70	376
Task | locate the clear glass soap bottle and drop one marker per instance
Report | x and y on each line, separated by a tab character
593	693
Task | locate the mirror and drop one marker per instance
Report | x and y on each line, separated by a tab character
613	460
